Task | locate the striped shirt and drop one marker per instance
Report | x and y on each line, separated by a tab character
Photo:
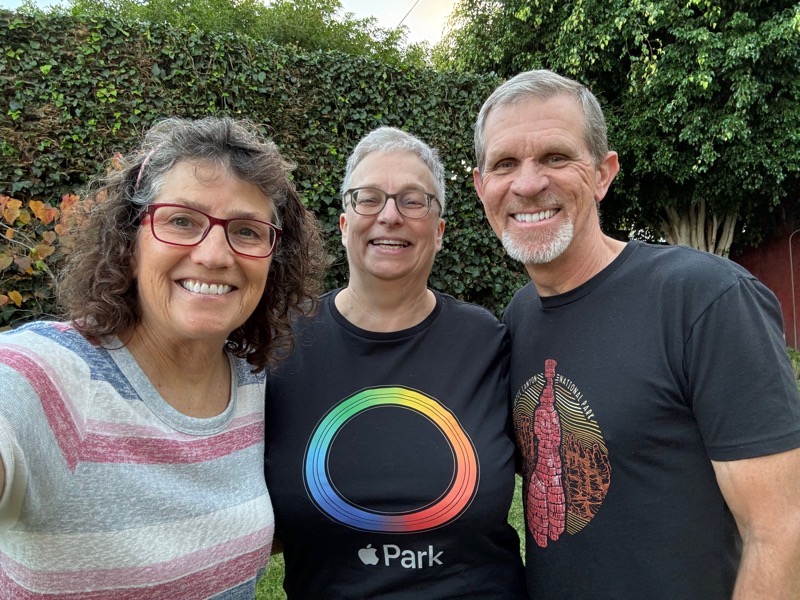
112	493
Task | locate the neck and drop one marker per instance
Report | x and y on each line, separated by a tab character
194	378
385	311
575	267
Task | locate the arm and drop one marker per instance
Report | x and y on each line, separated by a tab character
10	463
763	494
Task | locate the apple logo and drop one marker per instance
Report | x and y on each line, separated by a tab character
368	555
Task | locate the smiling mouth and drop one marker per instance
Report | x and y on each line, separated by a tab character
213	289
535	217
390	243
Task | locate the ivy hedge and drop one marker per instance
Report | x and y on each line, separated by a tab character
75	91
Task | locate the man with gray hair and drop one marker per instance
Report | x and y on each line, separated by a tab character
655	410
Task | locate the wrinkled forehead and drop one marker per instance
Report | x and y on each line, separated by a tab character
554	116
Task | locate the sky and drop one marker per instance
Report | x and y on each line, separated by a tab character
425	18
425	21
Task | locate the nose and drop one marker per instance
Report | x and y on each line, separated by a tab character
214	252
389	213
530	180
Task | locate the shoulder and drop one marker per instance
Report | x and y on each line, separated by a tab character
473	313
521	302
33	354
305	323
683	273
703	286
469	324
690	264
43	334
325	307
524	294
245	376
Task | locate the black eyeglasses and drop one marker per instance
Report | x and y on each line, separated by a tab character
180	225
413	204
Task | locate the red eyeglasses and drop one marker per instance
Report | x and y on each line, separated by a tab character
180	225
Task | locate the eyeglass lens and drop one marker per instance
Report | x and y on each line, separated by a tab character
410	203
185	226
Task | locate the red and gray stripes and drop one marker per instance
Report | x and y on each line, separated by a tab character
121	502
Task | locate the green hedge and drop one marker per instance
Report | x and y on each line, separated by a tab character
73	92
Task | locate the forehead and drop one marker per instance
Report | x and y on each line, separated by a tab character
203	173
558	119
211	186
392	171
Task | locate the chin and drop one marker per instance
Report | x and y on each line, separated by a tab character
208	331
541	251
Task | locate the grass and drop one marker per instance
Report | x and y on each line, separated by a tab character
271	585
794	357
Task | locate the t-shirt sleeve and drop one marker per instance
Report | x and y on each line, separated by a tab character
740	381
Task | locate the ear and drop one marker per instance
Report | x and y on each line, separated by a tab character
439	234
476	179
343	228
605	174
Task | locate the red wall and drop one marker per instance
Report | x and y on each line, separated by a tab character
770	263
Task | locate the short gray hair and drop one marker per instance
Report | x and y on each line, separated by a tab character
389	139
542	85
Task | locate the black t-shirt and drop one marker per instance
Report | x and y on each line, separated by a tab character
624	389
390	459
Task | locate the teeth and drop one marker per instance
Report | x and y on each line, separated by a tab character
535	217
204	288
395	243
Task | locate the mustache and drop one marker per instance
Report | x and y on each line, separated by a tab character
539	202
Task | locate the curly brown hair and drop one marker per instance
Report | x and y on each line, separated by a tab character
97	290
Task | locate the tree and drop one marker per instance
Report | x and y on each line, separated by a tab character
307	25
702	99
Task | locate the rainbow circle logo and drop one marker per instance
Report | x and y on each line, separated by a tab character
453	501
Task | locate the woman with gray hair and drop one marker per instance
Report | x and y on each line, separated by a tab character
388	448
131	434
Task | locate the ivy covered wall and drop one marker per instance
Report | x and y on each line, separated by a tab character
72	93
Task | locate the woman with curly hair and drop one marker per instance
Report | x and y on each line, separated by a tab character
132	433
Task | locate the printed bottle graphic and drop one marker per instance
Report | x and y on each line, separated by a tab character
546	500
566	468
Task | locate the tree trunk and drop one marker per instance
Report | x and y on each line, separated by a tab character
697	229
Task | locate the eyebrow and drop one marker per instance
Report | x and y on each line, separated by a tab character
417	187
238	214
543	149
